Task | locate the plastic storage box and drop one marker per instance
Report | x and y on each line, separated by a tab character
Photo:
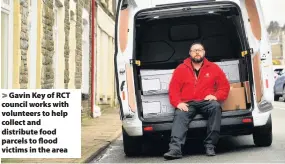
231	69
156	105
155	81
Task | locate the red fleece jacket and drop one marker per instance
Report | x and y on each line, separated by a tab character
185	86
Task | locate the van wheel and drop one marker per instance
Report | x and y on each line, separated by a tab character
132	145
262	136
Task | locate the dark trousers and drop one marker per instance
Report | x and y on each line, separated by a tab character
210	110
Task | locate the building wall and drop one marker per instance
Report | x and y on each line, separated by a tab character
278	50
105	79
46	44
51	47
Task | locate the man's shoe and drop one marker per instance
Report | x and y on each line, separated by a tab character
210	151
172	154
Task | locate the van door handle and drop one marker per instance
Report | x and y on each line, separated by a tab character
122	71
122	85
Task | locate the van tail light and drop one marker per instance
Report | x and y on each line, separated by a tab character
148	128
247	120
267	85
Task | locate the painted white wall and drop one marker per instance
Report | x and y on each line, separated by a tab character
59	41
33	45
105	57
105	22
56	47
85	53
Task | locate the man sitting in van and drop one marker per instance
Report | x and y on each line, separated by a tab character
197	86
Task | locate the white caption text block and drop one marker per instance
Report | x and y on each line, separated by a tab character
40	123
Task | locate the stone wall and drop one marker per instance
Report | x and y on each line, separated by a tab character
24	44
66	44
78	50
87	5
47	76
88	8
47	44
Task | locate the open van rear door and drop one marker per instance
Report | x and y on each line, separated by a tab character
123	58
261	55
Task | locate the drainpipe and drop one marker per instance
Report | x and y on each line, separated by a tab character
93	26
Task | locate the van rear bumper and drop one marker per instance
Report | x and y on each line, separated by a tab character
229	126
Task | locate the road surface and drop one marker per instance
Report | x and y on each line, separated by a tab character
230	149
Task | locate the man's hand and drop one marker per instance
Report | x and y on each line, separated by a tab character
210	98
183	107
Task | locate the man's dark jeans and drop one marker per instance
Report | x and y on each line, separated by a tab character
210	110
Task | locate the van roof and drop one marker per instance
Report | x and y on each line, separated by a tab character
143	4
160	2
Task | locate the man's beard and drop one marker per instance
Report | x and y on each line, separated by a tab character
194	60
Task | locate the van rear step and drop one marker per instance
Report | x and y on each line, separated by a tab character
228	125
226	114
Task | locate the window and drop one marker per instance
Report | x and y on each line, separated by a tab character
6	44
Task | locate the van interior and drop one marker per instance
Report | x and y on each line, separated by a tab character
163	38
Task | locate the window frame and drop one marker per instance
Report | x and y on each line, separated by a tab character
7	9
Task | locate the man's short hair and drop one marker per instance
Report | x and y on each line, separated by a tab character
197	42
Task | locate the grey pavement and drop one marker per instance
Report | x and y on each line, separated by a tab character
230	150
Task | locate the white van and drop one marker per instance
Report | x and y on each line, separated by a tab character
153	38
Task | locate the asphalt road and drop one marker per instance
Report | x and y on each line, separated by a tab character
230	149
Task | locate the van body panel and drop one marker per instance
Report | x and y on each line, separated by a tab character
133	126
260	119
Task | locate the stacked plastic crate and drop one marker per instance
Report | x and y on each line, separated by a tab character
155	100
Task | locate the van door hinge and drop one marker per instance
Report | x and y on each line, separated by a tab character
246	52
136	62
